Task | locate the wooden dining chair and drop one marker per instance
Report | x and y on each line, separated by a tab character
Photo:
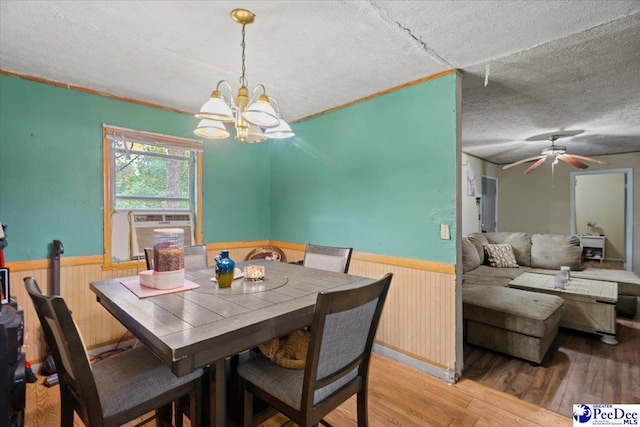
327	258
115	390
148	257
337	365
269	253
195	257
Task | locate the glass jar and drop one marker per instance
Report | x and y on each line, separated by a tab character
565	271
168	249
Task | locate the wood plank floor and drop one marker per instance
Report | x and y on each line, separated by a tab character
398	396
611	265
579	368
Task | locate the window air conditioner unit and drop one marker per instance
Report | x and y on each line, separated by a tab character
142	225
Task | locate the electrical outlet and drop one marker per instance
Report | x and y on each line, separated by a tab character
444	232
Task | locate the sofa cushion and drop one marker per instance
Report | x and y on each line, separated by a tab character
470	256
468	280
530	313
478	240
500	255
521	243
492	272
551	251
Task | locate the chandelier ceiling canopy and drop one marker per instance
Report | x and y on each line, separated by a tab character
253	121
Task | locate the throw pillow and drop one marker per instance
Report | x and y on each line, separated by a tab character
520	242
500	255
470	256
478	239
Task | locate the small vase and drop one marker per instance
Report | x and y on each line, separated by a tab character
224	269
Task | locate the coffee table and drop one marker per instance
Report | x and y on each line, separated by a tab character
590	305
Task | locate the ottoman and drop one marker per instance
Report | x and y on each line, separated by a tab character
511	321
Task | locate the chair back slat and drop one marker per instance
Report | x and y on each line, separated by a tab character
195	257
328	258
344	338
65	341
342	333
148	257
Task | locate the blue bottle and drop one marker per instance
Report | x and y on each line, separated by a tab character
225	267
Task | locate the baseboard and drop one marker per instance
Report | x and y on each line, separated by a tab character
435	371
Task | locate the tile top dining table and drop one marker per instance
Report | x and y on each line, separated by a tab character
199	327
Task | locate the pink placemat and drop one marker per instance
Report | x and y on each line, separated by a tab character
143	292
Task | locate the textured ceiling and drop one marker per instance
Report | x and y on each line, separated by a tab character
553	65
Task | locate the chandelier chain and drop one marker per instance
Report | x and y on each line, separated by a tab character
243	79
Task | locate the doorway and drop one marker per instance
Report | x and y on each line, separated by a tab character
489	205
601	203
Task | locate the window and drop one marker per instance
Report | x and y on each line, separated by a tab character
152	177
147	172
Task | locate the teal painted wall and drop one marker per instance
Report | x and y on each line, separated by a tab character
378	176
236	191
51	184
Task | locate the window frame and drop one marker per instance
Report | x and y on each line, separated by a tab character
109	184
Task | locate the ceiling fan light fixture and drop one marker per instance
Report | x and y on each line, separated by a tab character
554	150
556	153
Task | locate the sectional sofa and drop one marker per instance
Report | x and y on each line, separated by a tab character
522	323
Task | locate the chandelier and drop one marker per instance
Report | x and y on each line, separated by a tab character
254	121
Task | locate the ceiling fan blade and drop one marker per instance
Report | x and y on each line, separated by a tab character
519	162
573	162
536	165
589	159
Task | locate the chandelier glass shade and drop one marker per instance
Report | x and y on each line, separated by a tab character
254	120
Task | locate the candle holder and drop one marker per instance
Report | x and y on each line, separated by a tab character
254	273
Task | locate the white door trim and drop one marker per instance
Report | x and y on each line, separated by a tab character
628	215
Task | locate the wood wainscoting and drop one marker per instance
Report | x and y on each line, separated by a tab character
418	320
419	317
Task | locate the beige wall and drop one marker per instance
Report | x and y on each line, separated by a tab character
600	198
469	210
535	204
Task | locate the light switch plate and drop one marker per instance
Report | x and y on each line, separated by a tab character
444	232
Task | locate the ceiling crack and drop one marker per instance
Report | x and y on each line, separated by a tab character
432	53
424	46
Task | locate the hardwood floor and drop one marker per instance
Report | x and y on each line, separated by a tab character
398	395
579	368
611	265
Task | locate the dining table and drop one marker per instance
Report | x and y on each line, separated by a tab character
206	325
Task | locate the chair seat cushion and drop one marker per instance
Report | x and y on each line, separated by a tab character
133	377
284	384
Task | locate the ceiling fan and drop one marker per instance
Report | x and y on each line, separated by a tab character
556	153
